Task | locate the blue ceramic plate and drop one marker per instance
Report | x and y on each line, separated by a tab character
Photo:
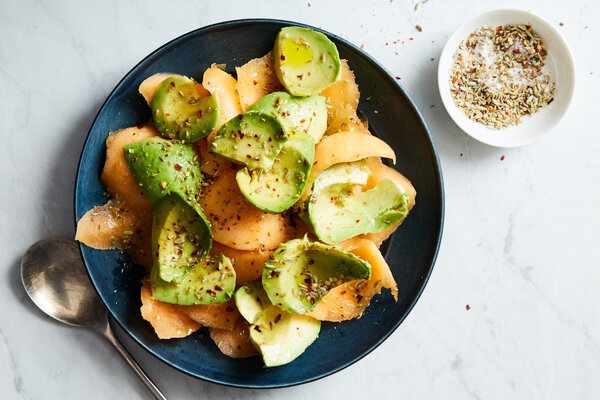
411	252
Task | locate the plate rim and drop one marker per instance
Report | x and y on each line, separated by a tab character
438	171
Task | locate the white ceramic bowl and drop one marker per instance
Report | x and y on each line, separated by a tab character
559	64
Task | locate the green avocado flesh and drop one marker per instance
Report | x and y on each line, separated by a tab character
179	112
296	114
179	237
279	336
306	61
252	138
210	280
161	167
336	212
279	188
301	272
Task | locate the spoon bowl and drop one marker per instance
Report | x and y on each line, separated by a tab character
56	281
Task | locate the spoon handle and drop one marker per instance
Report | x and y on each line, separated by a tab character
110	336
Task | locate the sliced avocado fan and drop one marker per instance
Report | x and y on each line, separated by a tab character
296	114
337	210
280	337
252	138
179	237
162	168
210	280
179	112
280	187
302	272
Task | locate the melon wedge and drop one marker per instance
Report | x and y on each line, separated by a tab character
237	223
248	265
115	226
234	343
215	80
342	102
256	79
219	315
168	322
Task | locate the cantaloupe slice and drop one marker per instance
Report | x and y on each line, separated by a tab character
345	147
234	343
116	174
115	226
380	171
168	322
248	265
256	79
237	223
219	315
106	227
342	102
350	299
216	80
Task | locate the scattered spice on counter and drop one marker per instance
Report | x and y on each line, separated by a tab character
497	75
468	307
419	28
502	158
561	24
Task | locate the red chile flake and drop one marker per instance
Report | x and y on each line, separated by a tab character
282	57
468	307
200	114
502	158
178	167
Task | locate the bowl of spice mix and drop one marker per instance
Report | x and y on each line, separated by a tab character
506	77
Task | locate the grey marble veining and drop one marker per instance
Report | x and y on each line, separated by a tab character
520	244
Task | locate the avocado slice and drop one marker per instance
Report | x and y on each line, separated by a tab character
161	167
335	212
179	112
252	138
279	188
301	272
296	114
279	336
179	236
210	280
305	61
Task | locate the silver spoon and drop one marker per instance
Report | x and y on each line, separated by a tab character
55	279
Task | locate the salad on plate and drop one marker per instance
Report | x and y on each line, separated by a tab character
257	203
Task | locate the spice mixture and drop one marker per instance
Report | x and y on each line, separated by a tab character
497	75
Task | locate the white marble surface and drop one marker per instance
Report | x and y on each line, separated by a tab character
520	244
